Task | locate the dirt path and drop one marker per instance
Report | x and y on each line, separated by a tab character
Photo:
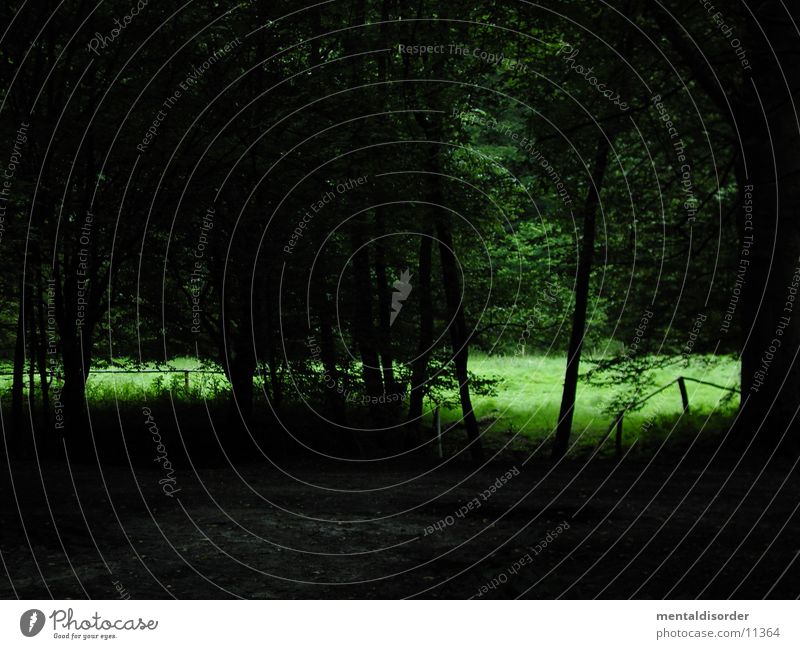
632	530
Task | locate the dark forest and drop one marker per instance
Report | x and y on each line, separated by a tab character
383	299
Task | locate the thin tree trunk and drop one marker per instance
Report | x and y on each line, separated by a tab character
274	376
364	328
459	335
17	383
76	356
33	344
384	306
582	282
334	398
76	362
419	366
42	356
241	369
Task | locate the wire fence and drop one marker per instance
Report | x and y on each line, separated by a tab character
681	381
59	377
616	425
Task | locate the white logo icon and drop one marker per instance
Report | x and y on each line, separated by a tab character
402	289
31	622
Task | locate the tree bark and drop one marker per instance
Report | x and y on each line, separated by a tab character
582	285
760	111
364	327
334	398
44	383
384	306
459	335
770	246
76	356
33	355
18	376
241	369
419	366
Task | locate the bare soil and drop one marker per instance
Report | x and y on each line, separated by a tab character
675	528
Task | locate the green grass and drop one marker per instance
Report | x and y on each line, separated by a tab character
529	399
104	385
526	404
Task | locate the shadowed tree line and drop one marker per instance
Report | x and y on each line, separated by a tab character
338	218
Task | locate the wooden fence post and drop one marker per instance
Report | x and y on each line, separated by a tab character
684	394
437	417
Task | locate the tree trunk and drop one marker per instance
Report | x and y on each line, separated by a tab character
33	355
17	382
770	294
768	171
276	388
76	357
419	366
364	328
384	306
241	370
77	364
334	403
764	129
582	281
42	356
459	336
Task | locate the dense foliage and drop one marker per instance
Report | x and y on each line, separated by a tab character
336	203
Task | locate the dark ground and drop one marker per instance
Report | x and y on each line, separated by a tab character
635	530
